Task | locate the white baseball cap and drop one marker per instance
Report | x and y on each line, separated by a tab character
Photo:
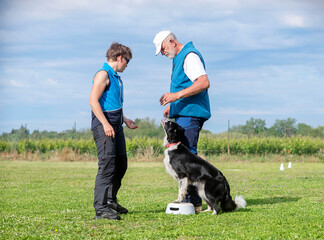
159	38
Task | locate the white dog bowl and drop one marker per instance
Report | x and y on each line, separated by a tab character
180	208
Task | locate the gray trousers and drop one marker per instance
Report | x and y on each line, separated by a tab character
112	166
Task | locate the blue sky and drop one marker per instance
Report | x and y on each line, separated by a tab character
264	58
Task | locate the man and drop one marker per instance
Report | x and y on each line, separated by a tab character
188	100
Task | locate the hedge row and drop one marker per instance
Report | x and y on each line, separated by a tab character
262	146
208	146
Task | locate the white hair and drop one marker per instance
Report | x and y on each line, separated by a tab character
171	36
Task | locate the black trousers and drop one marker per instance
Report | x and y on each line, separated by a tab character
112	166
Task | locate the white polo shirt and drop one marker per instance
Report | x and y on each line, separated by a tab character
193	66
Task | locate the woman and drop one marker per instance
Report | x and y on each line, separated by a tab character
106	100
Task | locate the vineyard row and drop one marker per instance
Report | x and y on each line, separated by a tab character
208	146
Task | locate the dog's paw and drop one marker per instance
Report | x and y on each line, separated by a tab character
176	201
214	212
209	209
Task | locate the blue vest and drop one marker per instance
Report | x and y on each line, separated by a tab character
194	106
111	100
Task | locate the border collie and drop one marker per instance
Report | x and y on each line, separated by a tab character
189	169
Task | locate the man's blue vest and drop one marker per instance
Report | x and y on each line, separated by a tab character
194	106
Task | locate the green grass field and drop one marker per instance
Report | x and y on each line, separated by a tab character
53	200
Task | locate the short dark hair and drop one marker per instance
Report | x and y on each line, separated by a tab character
116	49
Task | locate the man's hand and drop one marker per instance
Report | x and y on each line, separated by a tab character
169	98
166	112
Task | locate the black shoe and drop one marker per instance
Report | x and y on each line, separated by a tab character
115	206
112	215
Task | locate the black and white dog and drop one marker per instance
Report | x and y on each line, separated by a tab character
189	169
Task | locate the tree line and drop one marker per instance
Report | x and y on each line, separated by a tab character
281	128
151	129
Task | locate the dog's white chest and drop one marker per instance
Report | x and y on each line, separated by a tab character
167	164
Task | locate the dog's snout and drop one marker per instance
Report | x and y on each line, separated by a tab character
165	120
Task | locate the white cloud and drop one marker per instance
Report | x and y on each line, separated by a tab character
248	112
16	84
319	110
50	82
293	20
84	113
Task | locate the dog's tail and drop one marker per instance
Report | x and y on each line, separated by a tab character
229	205
240	202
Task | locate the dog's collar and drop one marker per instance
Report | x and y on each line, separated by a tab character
171	144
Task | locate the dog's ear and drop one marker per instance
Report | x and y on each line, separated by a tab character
181	132
178	131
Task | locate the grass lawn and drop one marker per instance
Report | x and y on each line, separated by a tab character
53	200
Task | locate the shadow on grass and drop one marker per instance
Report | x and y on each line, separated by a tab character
250	202
148	211
272	200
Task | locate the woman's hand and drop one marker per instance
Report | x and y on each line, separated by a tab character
130	123
109	130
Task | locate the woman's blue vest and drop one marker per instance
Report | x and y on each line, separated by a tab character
194	106
111	100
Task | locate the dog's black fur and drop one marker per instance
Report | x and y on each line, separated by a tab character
189	169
